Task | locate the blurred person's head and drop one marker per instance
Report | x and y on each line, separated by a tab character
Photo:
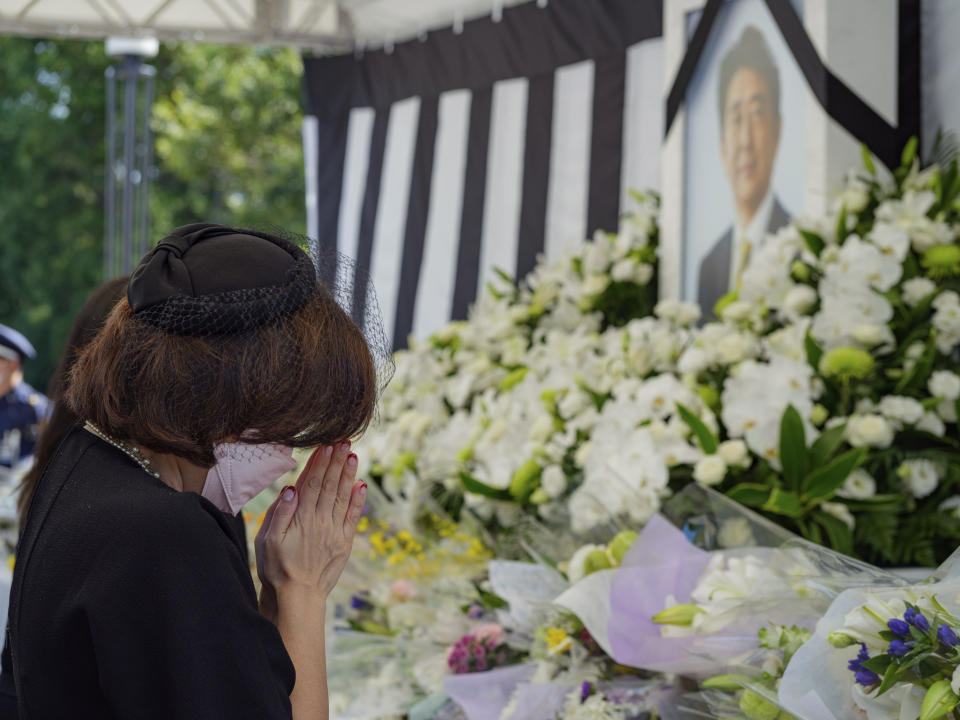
748	103
14	350
225	335
86	325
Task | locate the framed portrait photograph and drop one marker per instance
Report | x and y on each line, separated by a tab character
768	103
744	164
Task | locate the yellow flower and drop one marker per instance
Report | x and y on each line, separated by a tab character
557	641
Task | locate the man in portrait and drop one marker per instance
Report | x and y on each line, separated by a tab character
748	102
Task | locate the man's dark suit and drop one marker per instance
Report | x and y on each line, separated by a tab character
715	266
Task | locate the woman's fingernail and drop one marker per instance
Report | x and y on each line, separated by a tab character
363	490
344	446
288	493
328	450
352	460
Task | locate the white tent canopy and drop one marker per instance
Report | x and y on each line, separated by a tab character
331	25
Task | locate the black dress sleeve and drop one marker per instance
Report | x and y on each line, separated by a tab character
175	625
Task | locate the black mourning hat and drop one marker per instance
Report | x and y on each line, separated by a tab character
206	279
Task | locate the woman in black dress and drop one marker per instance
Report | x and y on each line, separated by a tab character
131	597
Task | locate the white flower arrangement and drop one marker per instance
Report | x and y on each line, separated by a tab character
561	395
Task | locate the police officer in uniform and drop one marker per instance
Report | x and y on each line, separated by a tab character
22	409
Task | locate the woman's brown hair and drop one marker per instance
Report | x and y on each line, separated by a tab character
305	379
85	327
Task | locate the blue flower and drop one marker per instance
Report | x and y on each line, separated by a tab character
898	627
864	677
899	648
921	623
947	636
585	690
909	614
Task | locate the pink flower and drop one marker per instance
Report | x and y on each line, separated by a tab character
489	632
403	589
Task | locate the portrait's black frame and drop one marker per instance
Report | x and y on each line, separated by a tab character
838	100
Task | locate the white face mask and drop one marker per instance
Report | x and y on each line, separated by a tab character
243	471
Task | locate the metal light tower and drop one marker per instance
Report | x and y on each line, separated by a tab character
129	154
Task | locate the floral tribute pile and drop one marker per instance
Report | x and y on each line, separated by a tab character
825	396
590	505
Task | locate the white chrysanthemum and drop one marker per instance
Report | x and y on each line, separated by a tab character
946	320
917	289
919	477
843	308
870	336
931	423
951	505
869	431
800	300
553	481
623	473
839	511
595	707
944	384
735	533
710	470
901	409
734	453
859	485
789	341
682	313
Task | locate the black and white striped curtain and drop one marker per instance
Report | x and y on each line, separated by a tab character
464	151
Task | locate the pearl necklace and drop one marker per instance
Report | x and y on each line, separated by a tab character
132	452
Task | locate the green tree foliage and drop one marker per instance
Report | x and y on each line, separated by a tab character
227	123
227	149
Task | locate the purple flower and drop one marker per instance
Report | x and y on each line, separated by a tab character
474	612
899	648
357	602
585	691
921	623
898	627
909	614
479	652
947	636
864	677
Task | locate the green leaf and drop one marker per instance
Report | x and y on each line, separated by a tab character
842	231
877	504
706	438
867	159
814	242
472	485
909	152
814	351
823	482
750	494
783	502
839	534
921	370
825	446
793	448
878	664
889	679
